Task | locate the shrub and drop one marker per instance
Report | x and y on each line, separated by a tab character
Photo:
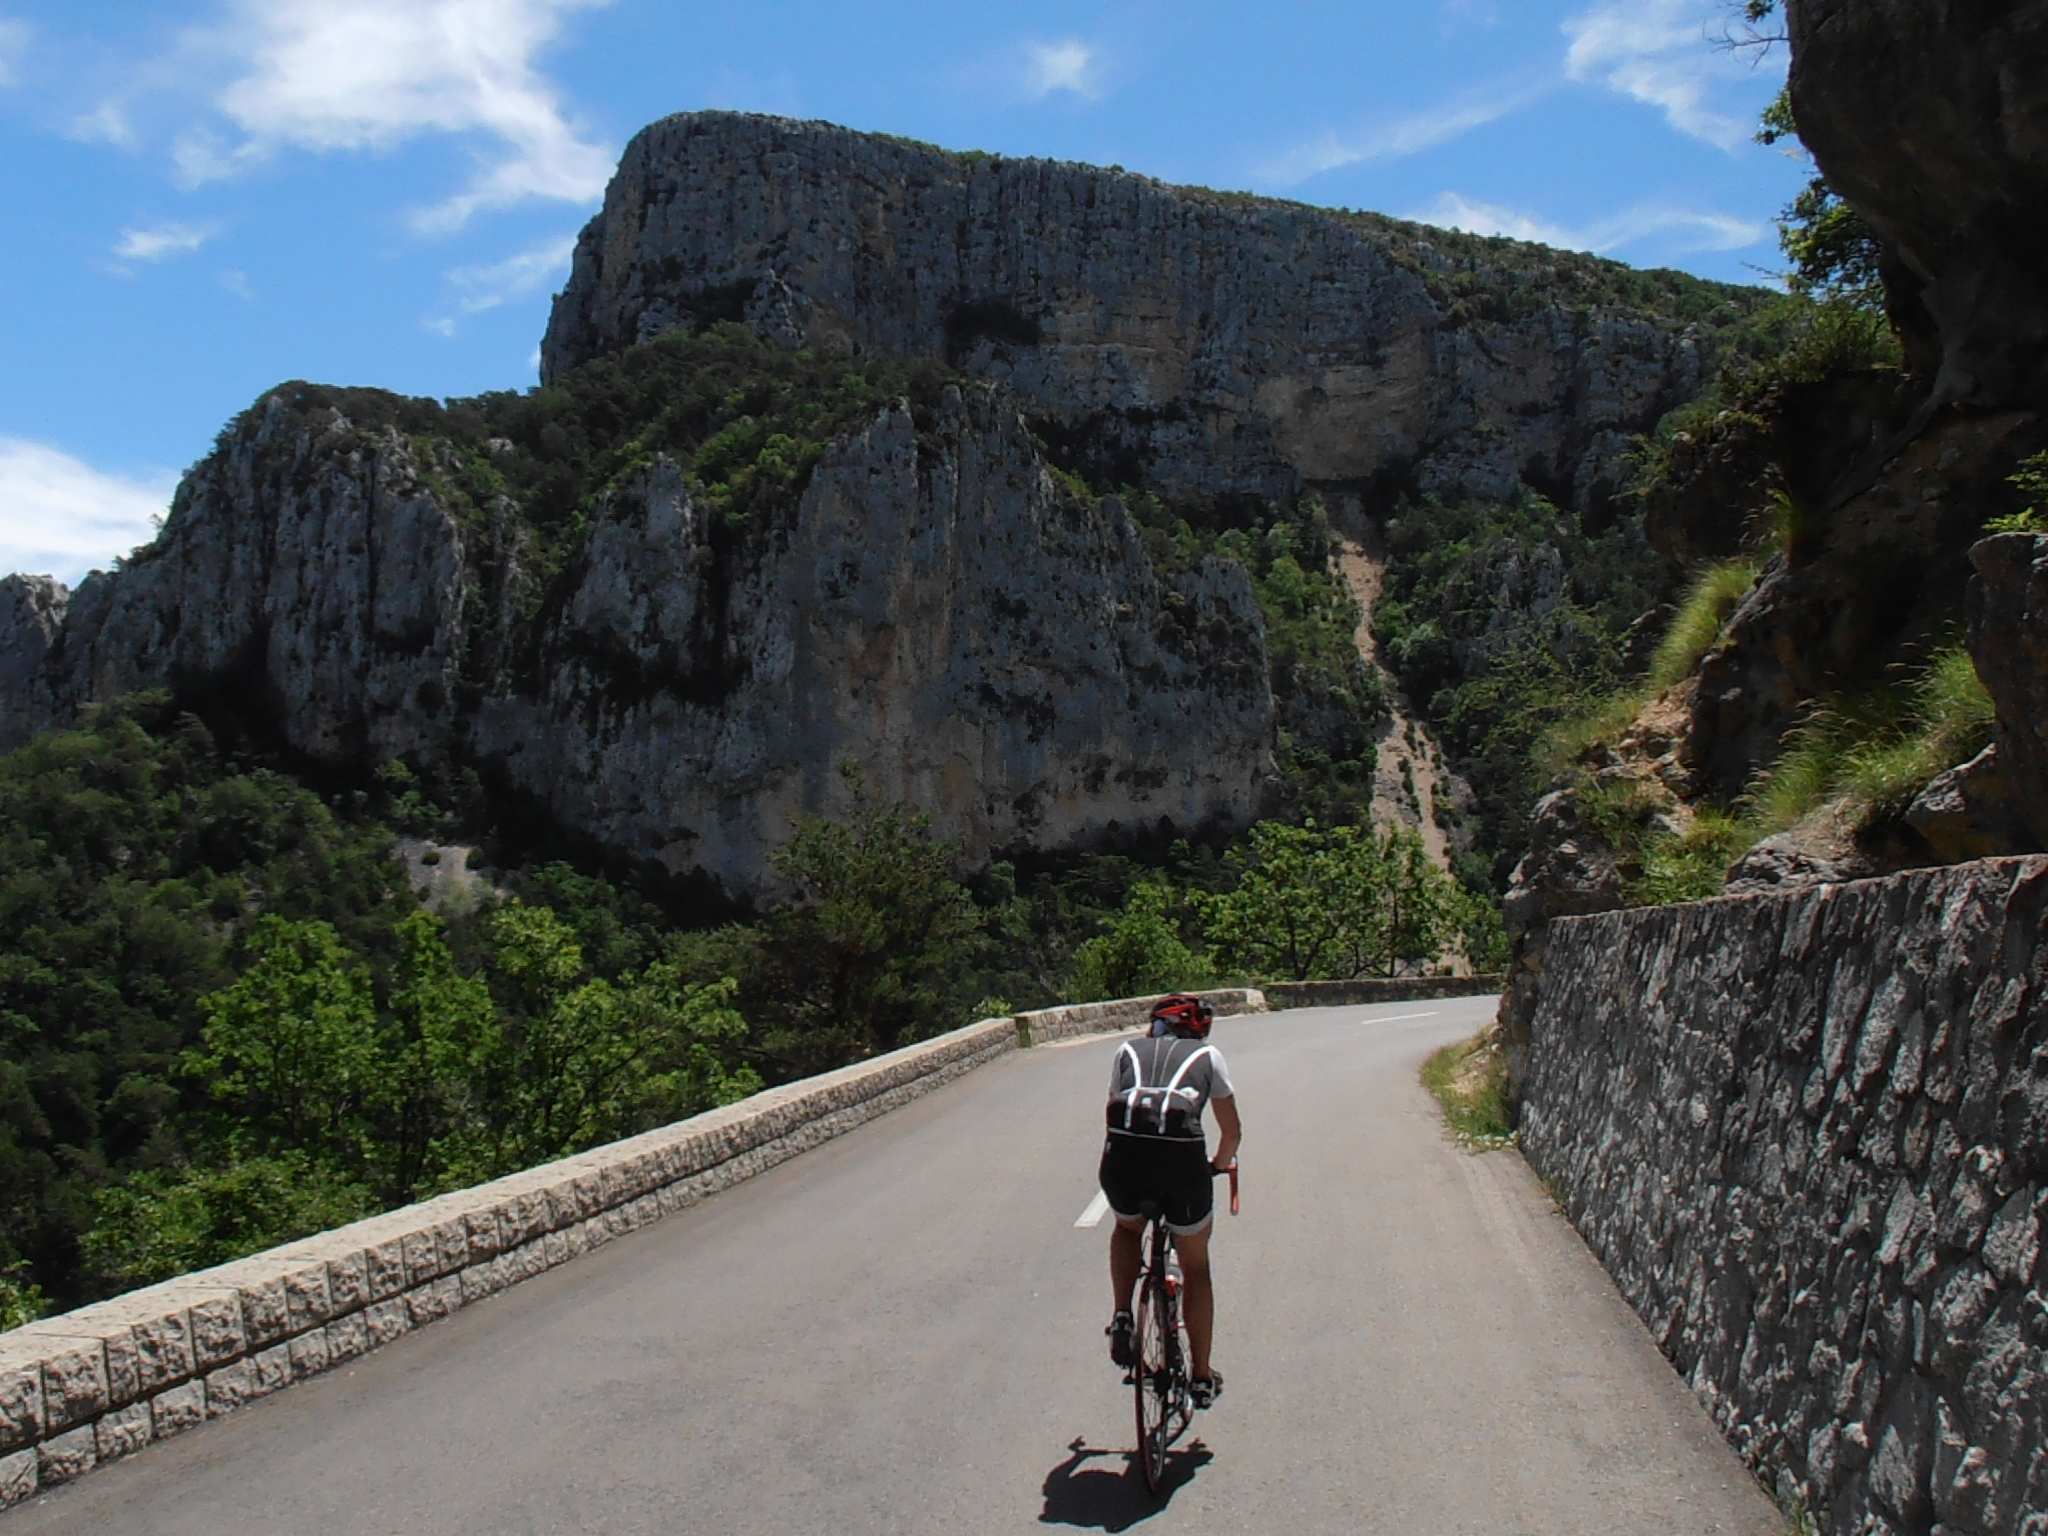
168	1222
1141	952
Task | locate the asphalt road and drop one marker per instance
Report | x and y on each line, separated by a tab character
902	1332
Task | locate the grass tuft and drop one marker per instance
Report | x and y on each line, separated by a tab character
1880	748
1470	1081
1700	620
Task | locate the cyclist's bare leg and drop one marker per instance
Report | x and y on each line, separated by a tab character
1199	1305
1126	1259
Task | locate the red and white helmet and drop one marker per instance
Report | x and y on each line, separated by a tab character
1188	1017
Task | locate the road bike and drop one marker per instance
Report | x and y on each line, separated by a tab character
1159	1375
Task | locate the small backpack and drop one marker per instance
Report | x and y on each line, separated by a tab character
1163	1107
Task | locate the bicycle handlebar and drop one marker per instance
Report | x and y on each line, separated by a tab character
1232	1171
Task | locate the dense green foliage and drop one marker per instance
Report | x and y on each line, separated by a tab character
224	1020
1293	903
2032	481
1313	902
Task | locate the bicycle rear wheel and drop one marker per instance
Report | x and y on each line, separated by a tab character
1153	1377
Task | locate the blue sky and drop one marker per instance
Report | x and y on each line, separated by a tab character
208	197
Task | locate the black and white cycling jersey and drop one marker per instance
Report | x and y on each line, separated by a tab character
1160	1085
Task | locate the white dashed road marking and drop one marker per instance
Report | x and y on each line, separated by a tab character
1097	1209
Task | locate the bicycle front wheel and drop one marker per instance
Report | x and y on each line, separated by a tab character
1153	1377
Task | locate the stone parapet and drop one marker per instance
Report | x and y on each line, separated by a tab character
1377	989
100	1383
1808	1136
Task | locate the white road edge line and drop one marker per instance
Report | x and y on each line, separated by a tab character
1395	1018
1097	1209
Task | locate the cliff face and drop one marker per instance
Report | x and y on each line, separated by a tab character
937	610
1930	118
1180	339
933	607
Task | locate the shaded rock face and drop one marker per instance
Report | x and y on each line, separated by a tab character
2008	640
938	611
31	618
1184	340
934	608
1930	117
1807	1134
1871	585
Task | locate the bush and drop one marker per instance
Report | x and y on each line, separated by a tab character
168	1222
1139	953
1702	615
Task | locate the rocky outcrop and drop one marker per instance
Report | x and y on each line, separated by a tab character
1568	871
31	618
1930	118
1173	338
2008	639
307	579
1808	1136
981	641
935	608
1861	589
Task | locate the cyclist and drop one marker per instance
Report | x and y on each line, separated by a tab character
1156	1151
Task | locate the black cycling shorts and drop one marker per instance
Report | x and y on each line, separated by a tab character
1171	1171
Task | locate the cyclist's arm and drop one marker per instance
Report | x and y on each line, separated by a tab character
1231	1129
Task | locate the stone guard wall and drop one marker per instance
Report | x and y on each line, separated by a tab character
1808	1136
99	1383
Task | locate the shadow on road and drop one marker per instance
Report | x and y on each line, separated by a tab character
1114	1497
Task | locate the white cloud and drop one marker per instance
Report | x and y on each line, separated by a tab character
60	516
164	240
505	282
1658	52
105	124
1405	136
371	74
237	283
1066	65
14	40
1696	230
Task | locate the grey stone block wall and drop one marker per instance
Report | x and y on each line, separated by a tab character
103	1382
1808	1136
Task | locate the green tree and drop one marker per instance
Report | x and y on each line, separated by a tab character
863	962
437	1049
1139	953
1834	254
291	1044
1317	903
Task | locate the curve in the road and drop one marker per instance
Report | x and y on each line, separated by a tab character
901	1331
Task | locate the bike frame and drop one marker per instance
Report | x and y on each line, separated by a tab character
1159	1287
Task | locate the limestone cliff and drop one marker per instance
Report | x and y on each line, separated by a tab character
932	606
1930	117
1187	340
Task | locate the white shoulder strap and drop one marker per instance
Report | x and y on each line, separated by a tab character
1193	1056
